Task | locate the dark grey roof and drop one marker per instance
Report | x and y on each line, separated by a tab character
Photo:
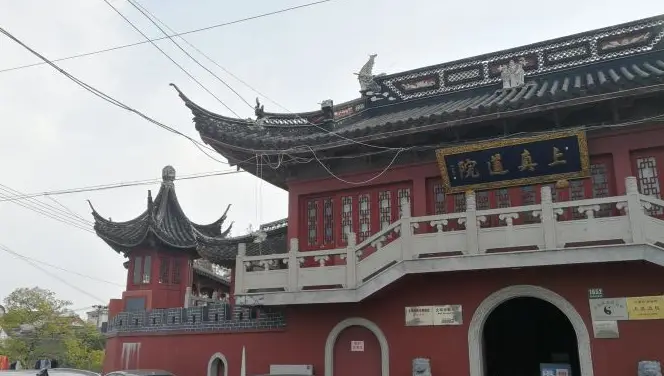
162	221
222	251
582	66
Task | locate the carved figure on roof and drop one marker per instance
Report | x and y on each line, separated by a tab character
513	73
327	106
366	77
259	110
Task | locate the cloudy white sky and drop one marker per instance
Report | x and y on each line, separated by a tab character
55	135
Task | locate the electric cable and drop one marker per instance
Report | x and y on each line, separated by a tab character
170	58
46	271
92	53
34	203
102	187
143	12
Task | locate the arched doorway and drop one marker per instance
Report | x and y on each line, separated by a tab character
512	304
523	332
217	366
356	346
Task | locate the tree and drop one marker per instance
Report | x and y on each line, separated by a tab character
40	326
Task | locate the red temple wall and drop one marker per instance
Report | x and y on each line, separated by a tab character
303	340
614	148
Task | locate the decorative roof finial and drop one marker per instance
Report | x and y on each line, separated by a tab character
366	77
259	110
168	174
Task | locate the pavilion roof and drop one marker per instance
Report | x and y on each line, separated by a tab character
162	221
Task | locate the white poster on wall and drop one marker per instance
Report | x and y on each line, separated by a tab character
610	309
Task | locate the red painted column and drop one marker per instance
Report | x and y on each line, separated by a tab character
622	166
293	213
419	197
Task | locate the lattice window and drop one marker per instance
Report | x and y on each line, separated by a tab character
176	276
147	269
328	220
312	222
364	219
346	217
404	197
439	199
600	184
385	207
503	198
459	203
577	192
164	269
138	269
649	180
528	198
482	199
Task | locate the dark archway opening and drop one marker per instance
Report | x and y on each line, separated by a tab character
217	368
522	333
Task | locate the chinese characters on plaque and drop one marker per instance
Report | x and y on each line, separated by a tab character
434	315
518	161
607	312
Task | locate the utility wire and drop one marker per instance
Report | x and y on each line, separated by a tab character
34	203
41	262
172	35
170	58
46	271
102	187
110	99
147	15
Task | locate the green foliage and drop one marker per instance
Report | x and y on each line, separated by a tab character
40	327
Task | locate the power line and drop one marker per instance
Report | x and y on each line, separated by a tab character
102	187
27	258
110	99
46	271
170	58
147	15
92	53
39	205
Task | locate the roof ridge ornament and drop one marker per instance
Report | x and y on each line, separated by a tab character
168	174
513	73
368	84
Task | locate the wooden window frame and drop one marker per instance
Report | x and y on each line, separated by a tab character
337	210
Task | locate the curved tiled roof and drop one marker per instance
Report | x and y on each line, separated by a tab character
585	67
270	239
163	221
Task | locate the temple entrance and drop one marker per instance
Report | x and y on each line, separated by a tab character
217	365
523	332
357	352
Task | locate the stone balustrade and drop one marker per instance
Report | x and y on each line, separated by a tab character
218	317
548	226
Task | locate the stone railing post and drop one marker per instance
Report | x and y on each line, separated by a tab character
351	261
635	210
239	268
548	219
472	239
187	297
406	232
293	265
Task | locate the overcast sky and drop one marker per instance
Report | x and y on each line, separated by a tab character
56	135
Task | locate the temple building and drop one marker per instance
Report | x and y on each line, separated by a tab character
496	215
